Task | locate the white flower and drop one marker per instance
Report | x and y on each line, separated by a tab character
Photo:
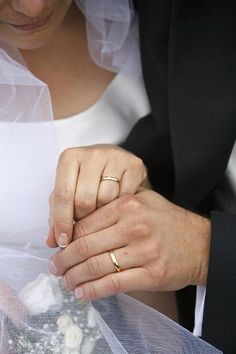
87	346
63	323
42	294
73	337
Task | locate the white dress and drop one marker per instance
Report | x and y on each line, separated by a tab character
28	169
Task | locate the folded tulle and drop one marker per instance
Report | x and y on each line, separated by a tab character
39	316
112	33
23	97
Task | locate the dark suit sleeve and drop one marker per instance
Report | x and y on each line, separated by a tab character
219	321
145	142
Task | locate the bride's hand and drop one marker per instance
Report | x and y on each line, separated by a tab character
88	178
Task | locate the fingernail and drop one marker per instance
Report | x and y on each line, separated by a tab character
79	294
63	240
52	268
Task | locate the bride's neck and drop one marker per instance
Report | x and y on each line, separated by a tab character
74	80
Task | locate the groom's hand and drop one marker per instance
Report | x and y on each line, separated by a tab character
158	246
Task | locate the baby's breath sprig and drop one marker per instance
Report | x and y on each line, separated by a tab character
72	330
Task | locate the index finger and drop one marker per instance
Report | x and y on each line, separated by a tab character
62	206
99	220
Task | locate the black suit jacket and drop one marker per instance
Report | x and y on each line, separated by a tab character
188	53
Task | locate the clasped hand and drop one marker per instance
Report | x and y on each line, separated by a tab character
158	245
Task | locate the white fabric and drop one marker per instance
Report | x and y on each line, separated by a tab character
201	290
117	325
199	309
231	170
24	98
112	31
110	119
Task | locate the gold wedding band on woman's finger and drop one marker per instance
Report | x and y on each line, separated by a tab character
114	261
110	178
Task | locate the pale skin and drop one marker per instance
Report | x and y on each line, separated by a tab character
159	246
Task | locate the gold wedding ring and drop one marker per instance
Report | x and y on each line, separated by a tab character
110	178
114	261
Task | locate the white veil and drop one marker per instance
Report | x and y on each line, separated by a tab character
26	137
28	148
112	31
118	325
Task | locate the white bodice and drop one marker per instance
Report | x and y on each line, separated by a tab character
28	168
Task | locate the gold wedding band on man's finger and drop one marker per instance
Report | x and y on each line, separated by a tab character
114	261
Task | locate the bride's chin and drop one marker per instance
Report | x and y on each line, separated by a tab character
28	41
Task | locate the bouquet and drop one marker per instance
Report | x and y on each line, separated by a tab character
38	316
56	321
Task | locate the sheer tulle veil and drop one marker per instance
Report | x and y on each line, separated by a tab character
28	148
112	30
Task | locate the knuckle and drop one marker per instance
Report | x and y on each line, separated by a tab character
66	154
90	291
63	194
145	173
138	162
115	153
141	168
106	151
82	247
131	204
114	284
94	267
95	152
